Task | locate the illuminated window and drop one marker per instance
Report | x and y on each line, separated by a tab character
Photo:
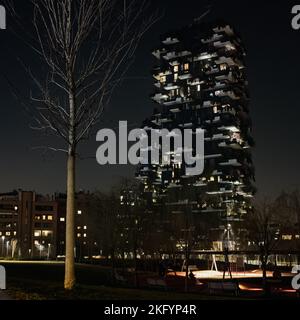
78	228
175	77
186	66
78	235
163	79
215	109
212	179
44	217
223	67
0	233
287	237
37	217
15	233
62	219
85	227
37	233
50	218
84	235
79	212
16	208
297	236
198	87
7	233
230	47
47	233
176	68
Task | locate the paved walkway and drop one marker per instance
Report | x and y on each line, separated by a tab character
4	296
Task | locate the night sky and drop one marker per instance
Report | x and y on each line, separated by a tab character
273	68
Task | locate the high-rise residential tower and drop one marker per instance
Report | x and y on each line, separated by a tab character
200	82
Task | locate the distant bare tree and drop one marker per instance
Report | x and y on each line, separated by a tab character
264	230
85	48
288	209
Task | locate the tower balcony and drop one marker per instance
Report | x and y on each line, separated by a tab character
205	56
233	129
176	101
200	184
158	53
227	29
170	86
175	110
230	94
214	38
185	76
227	45
159	97
170	40
220	136
158	74
226	60
230	163
229	78
174	55
219	192
212	156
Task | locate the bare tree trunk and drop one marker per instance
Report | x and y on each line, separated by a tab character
264	259
70	225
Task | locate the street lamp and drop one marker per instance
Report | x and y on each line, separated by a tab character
40	250
2	251
49	248
7	244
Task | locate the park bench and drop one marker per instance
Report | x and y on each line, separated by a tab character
119	278
157	283
224	287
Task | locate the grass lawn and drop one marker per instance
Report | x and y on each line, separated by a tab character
29	290
44	281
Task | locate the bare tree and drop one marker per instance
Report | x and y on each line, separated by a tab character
85	48
264	231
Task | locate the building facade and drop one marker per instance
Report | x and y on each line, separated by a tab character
33	226
200	82
28	225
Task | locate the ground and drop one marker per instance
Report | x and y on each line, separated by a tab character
44	281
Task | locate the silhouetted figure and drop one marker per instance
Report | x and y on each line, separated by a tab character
191	275
227	264
277	275
161	269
